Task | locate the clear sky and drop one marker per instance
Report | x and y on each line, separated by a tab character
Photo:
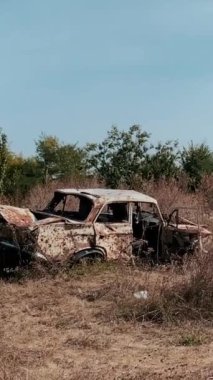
74	68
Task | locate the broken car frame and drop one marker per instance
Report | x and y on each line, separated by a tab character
89	224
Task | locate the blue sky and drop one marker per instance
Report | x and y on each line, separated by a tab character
74	68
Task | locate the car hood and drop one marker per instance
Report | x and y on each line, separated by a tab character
20	217
23	217
191	229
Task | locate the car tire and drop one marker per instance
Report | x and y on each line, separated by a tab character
88	257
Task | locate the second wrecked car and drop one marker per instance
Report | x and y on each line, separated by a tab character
82	224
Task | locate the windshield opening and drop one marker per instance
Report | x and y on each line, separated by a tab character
70	206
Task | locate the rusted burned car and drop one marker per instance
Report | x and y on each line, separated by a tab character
90	224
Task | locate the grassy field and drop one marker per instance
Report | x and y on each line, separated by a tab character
87	324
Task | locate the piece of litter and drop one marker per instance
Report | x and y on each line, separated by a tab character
141	295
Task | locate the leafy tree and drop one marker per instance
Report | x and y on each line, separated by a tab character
47	150
70	161
22	174
120	156
59	160
197	160
164	161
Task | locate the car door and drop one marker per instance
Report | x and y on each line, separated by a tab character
60	240
113	230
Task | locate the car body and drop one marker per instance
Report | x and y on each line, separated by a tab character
97	224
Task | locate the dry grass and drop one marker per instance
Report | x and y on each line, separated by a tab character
86	323
40	195
175	294
173	195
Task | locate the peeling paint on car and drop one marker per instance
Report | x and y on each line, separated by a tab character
19	217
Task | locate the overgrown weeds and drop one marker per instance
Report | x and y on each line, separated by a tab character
40	195
86	322
173	294
171	297
188	298
191	339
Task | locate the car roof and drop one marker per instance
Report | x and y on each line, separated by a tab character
110	195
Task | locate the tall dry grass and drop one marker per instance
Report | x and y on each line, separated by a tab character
171	194
79	323
41	194
175	295
168	193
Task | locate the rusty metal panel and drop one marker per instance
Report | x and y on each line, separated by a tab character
17	216
95	210
61	240
115	238
191	229
111	195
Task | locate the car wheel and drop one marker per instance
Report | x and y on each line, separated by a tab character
88	257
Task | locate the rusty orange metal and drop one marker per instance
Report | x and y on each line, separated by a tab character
17	216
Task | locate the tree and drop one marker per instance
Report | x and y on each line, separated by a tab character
22	174
71	161
47	149
197	160
120	156
59	160
4	153
164	161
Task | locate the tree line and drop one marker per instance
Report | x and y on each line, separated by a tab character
123	158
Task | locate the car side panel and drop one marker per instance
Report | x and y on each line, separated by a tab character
115	238
62	240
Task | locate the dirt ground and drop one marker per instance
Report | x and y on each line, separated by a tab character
55	327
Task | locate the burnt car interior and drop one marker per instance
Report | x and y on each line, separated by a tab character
69	206
146	221
116	212
145	217
147	225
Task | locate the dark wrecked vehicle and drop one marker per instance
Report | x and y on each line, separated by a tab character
94	224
